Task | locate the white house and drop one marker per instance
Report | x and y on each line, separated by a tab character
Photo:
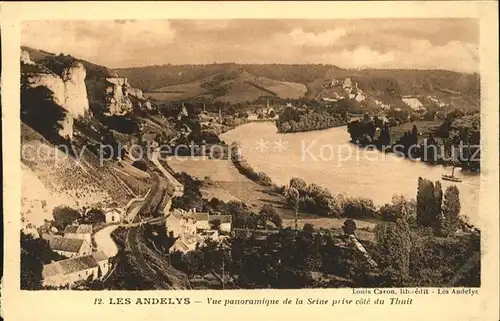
69	247
186	243
114	215
360	97
67	272
83	231
414	104
180	223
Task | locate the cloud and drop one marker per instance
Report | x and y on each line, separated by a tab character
346	43
364	56
419	54
299	37
106	42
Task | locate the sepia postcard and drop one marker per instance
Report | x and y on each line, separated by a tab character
276	160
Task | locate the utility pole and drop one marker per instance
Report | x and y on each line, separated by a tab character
223	279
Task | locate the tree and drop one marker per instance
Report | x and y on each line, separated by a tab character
451	210
349	227
298	183
308	228
400	207
193	262
294	198
31	263
430	149
215	224
268	213
428	199
35	252
393	241
438	195
93	216
64	216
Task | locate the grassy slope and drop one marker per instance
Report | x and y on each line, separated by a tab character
461	90
232	87
424	127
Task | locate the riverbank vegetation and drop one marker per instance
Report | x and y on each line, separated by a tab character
293	120
455	141
246	169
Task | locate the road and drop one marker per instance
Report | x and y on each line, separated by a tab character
104	241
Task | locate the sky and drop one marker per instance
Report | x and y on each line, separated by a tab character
451	44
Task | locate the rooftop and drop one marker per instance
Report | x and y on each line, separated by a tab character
76	264
79	229
58	243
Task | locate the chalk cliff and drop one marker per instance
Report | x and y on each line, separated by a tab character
68	90
118	96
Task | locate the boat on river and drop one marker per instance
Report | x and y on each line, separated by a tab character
451	177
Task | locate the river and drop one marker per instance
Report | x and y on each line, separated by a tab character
328	159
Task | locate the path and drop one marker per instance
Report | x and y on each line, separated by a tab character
104	241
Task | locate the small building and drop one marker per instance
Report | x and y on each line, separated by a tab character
414	104
83	231
179	223
114	215
68	247
82	268
185	243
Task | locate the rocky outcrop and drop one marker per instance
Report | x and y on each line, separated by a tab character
75	91
120	97
68	90
25	58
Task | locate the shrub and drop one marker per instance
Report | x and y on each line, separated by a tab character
360	207
64	216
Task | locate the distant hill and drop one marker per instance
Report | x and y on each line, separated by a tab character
231	86
173	82
153	77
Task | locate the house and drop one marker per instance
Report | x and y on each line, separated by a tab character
69	247
83	231
205	221
192	228
347	85
414	104
114	215
66	272
180	223
185	243
360	97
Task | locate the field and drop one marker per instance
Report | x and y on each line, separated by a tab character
232	87
217	170
424	128
282	89
228	184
